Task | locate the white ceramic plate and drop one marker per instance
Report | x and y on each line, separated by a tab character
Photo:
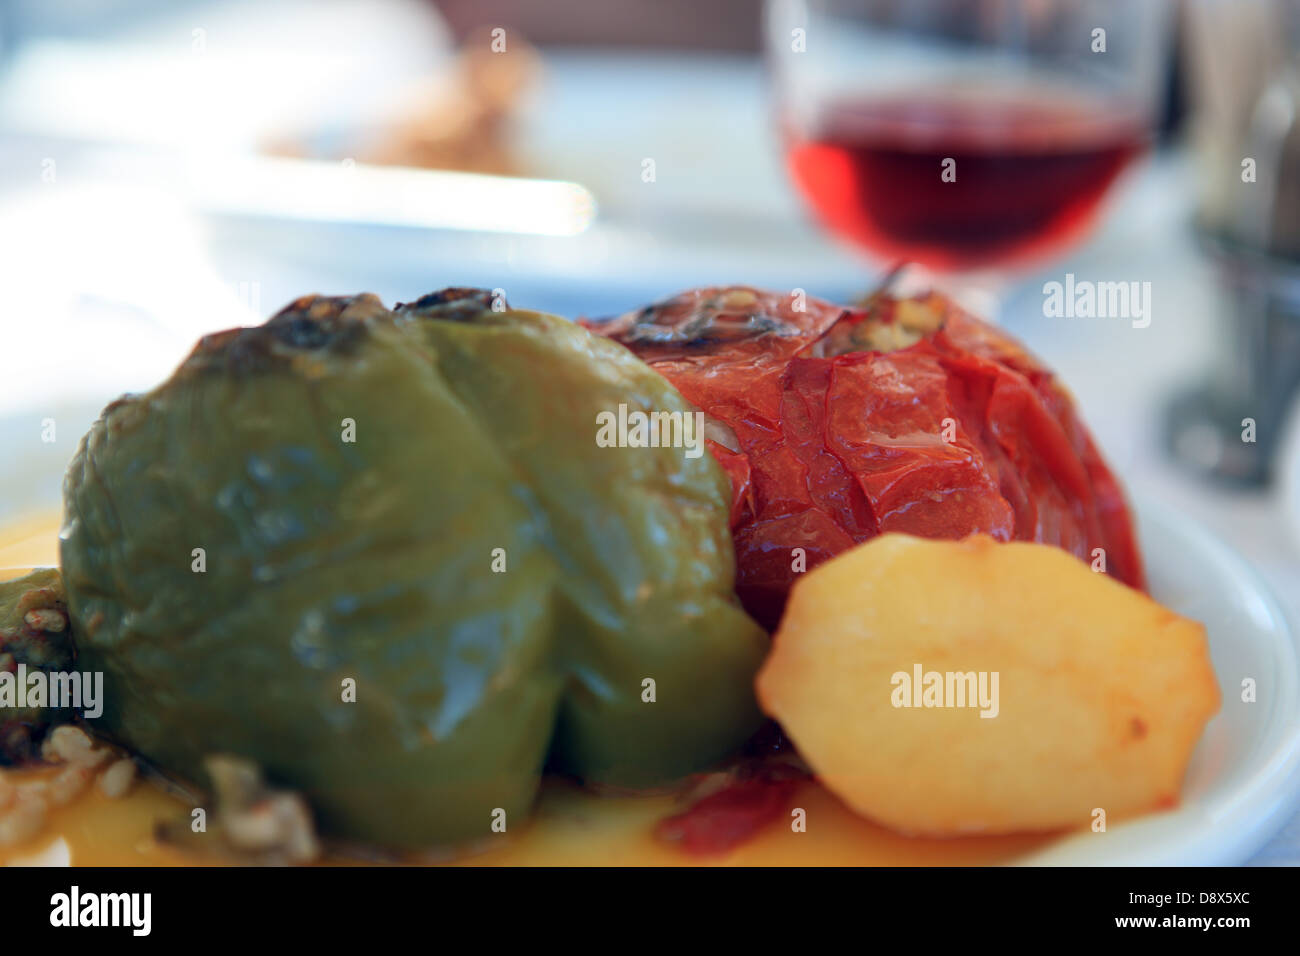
1244	779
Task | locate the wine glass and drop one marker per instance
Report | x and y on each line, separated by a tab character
972	137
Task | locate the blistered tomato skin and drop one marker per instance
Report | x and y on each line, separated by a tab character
909	416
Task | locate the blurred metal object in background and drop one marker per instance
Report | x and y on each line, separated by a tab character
1228	427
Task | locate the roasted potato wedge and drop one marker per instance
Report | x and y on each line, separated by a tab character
955	687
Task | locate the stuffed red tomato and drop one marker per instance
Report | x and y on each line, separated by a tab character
838	424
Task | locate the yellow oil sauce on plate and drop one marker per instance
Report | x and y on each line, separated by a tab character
570	826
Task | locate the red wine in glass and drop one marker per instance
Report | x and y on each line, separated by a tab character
1029	173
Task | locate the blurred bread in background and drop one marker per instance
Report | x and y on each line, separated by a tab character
464	120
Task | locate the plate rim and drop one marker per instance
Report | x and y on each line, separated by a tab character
1230	828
